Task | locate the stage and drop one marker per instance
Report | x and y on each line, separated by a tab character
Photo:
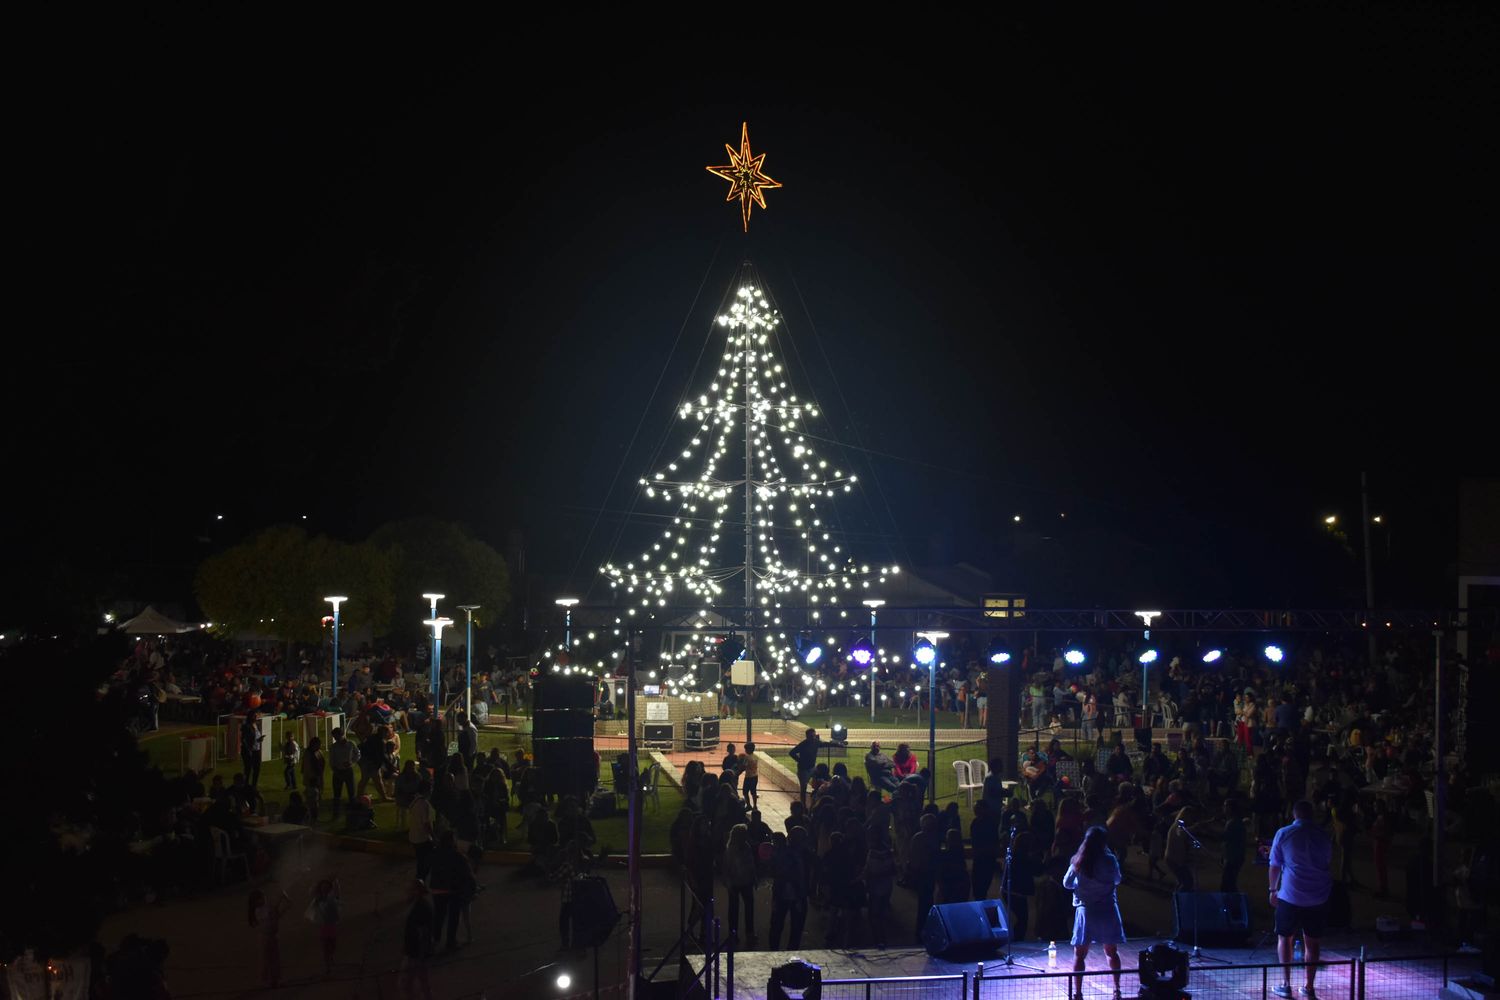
1388	973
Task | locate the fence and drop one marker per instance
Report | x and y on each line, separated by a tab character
1418	977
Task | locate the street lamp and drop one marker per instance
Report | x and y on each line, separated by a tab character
437	625
1146	617
566	603
469	610
927	655
335	601
874	604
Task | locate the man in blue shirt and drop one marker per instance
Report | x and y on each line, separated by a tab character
1301	876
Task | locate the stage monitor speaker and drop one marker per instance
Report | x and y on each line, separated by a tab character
1223	918
965	928
593	914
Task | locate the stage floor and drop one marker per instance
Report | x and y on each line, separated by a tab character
1391	974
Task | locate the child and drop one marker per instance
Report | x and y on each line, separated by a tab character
750	765
266	918
323	912
291	753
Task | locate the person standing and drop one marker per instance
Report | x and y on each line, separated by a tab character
1093	874
806	756
1234	846
750	767
416	944
468	739
922	867
323	911
419	828
1301	880
790	882
313	763
251	739
879	877
730	766
342	757
265	917
984	838
738	865
291	753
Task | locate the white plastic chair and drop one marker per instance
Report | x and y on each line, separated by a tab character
978	771
965	783
224	856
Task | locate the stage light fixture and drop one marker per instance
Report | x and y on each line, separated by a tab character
838	733
1213	656
924	652
1075	657
1274	653
1147	656
999	652
861	653
730	649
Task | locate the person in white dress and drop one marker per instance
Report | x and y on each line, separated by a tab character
1093	874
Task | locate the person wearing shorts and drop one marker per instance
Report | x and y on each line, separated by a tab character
1301	879
750	766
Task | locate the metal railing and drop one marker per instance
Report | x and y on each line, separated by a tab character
955	987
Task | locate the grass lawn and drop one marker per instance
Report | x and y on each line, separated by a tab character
163	751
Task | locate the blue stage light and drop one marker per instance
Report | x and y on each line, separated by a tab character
1212	656
1274	653
1075	657
861	653
999	652
1147	656
924	652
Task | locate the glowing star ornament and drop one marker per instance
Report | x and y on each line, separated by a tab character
743	172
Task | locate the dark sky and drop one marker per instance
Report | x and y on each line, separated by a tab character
1180	280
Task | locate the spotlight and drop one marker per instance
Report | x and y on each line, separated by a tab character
809	650
1147	656
1075	657
838	734
1274	653
999	651
564	980
1212	656
924	652
861	653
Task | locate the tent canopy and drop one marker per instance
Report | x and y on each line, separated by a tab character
153	622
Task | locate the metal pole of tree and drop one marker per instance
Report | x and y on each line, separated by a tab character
933	638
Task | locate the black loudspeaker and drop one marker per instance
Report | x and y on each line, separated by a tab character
965	928
564	693
567	767
1143	739
1223	918
551	724
594	915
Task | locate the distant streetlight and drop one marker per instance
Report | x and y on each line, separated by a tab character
469	610
1376	519
1330	520
566	603
1146	616
873	604
437	625
927	654
335	601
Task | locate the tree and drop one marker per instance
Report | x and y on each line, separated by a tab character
428	555
276	581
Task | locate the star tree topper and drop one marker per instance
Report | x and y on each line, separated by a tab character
746	180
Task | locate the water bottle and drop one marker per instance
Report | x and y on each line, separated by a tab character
1052	955
1297	949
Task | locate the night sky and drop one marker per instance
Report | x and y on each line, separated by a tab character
1180	280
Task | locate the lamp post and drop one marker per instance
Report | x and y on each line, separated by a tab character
1146	617
928	652
469	610
566	603
437	625
435	668
333	691
873	604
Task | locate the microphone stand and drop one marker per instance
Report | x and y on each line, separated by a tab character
1010	959
1197	955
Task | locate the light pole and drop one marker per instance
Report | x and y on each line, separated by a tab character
927	655
435	668
873	604
469	610
333	691
566	603
1146	617
437	625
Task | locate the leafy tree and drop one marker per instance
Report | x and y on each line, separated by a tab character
276	581
434	556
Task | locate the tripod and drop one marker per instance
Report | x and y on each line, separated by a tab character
1010	959
1196	955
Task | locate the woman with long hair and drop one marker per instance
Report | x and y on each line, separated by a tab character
1093	875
